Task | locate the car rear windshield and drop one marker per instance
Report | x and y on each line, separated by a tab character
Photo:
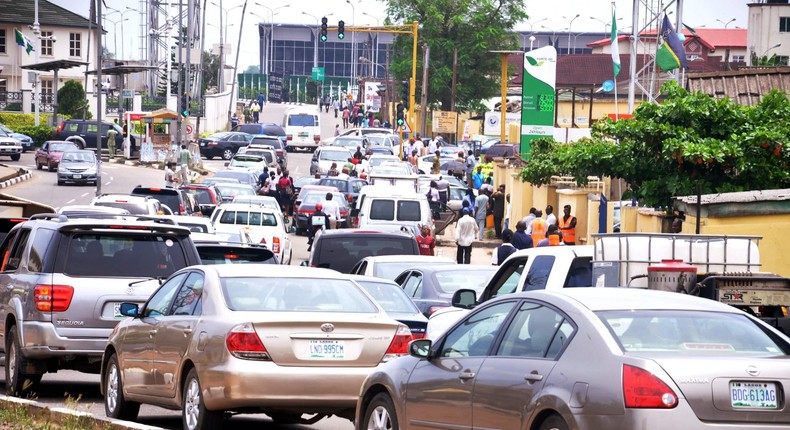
202	196
302	120
295	295
691	333
219	254
133	208
451	281
334	155
390	297
384	210
341	253
248	218
124	255
341	185
264	141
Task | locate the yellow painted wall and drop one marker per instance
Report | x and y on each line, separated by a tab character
628	218
774	229
600	110
579	208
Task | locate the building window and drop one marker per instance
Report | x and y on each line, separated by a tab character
738	58
3	86
784	24
75	45
47	86
46	43
782	60
2	41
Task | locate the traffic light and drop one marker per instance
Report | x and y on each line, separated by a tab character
400	116
185	106
405	91
323	29
341	30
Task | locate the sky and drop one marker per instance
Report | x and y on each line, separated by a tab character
543	16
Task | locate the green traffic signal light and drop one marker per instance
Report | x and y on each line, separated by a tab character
341	36
341	29
401	121
323	37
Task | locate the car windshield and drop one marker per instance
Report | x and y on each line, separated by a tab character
275	143
246	161
78	157
169	199
248	218
294	295
341	253
302	120
341	185
235	190
220	254
376	161
152	255
451	281
314	197
202	196
133	208
347	142
60	147
328	155
691	333
390	297
379	140
238	175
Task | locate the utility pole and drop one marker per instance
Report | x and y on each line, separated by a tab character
424	96
180	98
236	64
455	79
188	74
99	92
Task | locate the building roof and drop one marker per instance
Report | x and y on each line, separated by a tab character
712	38
49	66
746	86
49	14
738	197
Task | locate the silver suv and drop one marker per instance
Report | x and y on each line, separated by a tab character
62	282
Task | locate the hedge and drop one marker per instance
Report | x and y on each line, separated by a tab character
39	134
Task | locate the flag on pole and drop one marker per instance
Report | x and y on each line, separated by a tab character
615	49
24	42
670	54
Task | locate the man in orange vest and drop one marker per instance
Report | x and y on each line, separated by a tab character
537	228
567	224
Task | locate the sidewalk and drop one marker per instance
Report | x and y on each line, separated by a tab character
481	249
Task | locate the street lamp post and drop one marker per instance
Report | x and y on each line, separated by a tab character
532	32
772	47
270	53
570	23
606	24
115	33
222	38
726	23
128	9
375	50
553	35
353	45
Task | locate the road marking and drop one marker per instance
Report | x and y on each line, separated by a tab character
70	201
83	195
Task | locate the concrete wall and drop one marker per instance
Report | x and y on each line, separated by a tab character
216	112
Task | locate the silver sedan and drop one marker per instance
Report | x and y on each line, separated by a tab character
588	359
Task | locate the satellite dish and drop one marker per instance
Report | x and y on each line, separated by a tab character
608	85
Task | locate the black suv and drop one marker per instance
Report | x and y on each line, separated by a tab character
341	249
62	282
176	199
85	133
502	150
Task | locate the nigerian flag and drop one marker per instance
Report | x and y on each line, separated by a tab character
24	42
615	48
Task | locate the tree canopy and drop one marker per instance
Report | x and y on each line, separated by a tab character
668	149
475	27
71	100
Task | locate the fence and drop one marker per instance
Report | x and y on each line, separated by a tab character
11	101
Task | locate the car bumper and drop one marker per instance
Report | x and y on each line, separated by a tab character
77	177
9	150
254	384
40	341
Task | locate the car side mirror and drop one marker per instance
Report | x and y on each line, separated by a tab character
130	310
464	298
303	263
420	348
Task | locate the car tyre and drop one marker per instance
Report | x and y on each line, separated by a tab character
61	183
115	404
195	416
15	157
18	383
227	154
50	167
553	422
380	414
39	166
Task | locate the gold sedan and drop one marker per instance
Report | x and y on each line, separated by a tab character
220	339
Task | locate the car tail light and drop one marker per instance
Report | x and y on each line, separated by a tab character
276	245
642	389
316	138
289	137
242	342
433	309
399	345
350	198
61	125
355	221
181	208
53	298
305	212
418	335
212	143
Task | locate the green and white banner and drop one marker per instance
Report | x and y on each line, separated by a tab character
537	96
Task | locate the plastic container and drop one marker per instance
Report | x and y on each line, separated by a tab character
671	275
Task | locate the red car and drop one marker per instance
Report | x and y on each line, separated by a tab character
50	152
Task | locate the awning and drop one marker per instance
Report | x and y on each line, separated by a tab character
160	116
50	66
123	70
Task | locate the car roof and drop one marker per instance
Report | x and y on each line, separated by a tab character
272	270
627	299
576	250
415	258
246	206
155	190
312	187
130	197
459	267
365	278
352	232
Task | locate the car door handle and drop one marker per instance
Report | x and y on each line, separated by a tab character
465	376
151	333
533	377
187	332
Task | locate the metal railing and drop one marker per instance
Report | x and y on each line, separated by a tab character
11	101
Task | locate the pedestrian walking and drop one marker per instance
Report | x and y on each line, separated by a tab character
567	226
481	205
434	200
503	251
425	241
498	207
345	117
336	106
234	121
478	178
332	210
111	136
184	157
316	222
285	187
170	175
465	232
256	111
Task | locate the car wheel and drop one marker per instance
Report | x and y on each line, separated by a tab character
50	167
115	404
380	414
553	422
227	154
15	157
39	166
61	183
17	382
194	413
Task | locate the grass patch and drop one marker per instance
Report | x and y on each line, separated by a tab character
24	416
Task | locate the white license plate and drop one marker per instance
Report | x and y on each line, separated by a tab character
77	176
117	310
327	349
755	395
202	143
303	134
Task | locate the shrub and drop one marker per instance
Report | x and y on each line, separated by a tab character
14	120
39	134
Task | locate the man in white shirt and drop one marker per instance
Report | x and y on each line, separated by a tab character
551	219
465	232
420	147
432	146
332	210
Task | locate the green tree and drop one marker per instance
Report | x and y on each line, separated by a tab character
252	69
210	69
475	27
71	100
668	149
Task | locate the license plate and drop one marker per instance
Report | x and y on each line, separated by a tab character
303	134
117	310
202	143
77	176
754	395
327	349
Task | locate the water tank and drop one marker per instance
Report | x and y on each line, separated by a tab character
671	275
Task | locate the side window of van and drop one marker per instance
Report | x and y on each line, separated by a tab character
409	210
382	209
539	272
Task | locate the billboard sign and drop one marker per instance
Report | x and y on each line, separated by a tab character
537	99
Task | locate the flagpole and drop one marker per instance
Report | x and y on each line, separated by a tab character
37	34
615	71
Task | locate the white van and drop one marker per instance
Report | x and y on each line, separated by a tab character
390	205
302	127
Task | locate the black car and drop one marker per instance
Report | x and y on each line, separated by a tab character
176	199
83	131
269	129
223	144
276	143
395	302
502	150
341	249
432	288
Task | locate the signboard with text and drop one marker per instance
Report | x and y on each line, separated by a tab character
537	100
444	122
372	98
275	87
318	74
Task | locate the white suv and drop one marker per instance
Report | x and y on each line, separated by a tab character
136	205
263	224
